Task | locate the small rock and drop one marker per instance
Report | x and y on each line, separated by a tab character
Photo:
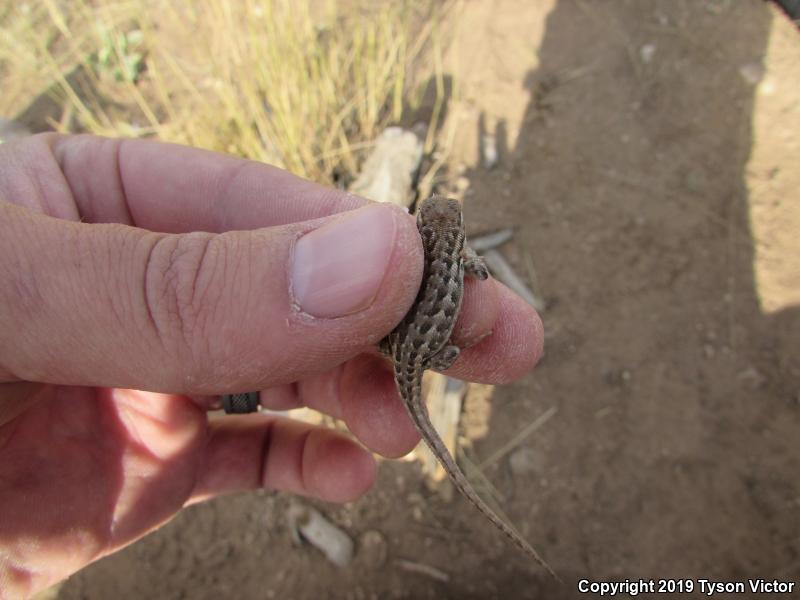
751	378
752	72
709	351
524	461
417	514
388	172
768	87
309	524
617	377
372	549
695	180
647	52
415	499
489	150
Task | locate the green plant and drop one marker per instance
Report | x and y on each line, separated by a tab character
119	54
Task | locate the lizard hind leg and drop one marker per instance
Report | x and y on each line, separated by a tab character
385	348
445	358
474	265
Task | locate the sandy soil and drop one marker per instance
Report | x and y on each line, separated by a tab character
649	161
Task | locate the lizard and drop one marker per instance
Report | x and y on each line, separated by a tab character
422	339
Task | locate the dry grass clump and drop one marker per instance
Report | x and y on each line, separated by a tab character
301	84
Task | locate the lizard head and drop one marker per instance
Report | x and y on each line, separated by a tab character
438	209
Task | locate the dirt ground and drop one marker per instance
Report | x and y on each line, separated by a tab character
648	159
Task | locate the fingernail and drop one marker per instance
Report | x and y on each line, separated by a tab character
338	268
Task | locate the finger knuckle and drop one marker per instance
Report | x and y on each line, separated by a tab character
181	292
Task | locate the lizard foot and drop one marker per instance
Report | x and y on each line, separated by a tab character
445	358
474	265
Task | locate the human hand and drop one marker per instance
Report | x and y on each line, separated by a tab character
189	274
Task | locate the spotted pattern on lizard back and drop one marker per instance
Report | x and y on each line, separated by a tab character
422	339
426	329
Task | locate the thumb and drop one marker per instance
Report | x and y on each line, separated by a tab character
199	313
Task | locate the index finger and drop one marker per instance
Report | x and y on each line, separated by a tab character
177	189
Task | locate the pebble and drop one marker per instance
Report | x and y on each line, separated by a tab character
752	72
647	52
373	549
524	461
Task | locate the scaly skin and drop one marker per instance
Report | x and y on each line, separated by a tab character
421	340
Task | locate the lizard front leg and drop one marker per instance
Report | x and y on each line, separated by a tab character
474	265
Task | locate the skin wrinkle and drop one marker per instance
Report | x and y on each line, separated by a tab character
197	292
267	440
94	279
114	254
77	154
24	283
302	466
236	282
191	265
174	293
15	189
282	397
121	179
241	284
207	270
332	384
147	292
87	211
42	204
63	184
294	307
244	286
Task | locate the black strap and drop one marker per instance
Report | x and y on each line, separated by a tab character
241	403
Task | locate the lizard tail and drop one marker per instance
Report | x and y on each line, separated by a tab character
419	415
